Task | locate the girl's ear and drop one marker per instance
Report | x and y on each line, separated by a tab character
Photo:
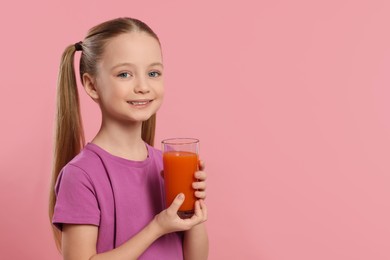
89	86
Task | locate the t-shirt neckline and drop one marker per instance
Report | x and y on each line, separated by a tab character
97	149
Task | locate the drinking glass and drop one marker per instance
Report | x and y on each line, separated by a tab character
180	159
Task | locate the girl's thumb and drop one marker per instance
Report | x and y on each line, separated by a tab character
177	202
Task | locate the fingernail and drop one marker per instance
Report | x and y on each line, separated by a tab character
180	196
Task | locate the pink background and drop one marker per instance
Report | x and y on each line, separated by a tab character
289	98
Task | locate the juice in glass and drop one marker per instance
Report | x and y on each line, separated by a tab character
180	158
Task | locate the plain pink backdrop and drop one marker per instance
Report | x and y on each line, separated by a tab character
290	99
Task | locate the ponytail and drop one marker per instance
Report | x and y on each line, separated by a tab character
148	130
69	133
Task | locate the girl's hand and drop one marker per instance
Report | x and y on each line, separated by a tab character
200	184
168	221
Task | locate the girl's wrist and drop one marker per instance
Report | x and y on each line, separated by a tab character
155	228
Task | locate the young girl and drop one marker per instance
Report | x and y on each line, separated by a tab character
107	198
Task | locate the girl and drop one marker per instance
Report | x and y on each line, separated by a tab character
107	199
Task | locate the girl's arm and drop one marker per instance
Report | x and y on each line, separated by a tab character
79	241
196	243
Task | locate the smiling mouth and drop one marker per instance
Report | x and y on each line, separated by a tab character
139	102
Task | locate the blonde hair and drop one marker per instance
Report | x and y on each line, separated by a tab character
69	132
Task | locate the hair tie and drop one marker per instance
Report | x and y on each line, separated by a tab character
78	46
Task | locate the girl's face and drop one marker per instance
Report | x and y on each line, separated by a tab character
129	81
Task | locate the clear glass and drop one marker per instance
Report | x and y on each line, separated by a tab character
181	160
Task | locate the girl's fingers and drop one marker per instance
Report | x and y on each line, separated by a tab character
204	209
198	210
200	194
177	202
201	175
201	165
201	185
200	214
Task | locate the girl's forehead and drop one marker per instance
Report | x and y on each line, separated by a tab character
132	47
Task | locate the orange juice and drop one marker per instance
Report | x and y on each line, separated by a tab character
179	169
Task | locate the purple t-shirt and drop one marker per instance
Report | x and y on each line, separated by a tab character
119	196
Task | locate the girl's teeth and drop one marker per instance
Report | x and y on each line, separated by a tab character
138	102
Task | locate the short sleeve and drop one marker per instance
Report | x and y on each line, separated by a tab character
76	201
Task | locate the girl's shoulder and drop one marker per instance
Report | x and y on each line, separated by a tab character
87	159
85	169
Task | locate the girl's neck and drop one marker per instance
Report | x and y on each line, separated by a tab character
122	140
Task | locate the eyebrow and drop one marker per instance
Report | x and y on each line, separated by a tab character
131	64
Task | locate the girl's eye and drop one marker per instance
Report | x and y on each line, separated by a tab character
154	74
124	75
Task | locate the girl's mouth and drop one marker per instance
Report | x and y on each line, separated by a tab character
139	102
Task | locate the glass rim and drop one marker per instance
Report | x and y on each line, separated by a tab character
180	141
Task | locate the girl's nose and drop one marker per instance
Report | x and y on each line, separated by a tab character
142	86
